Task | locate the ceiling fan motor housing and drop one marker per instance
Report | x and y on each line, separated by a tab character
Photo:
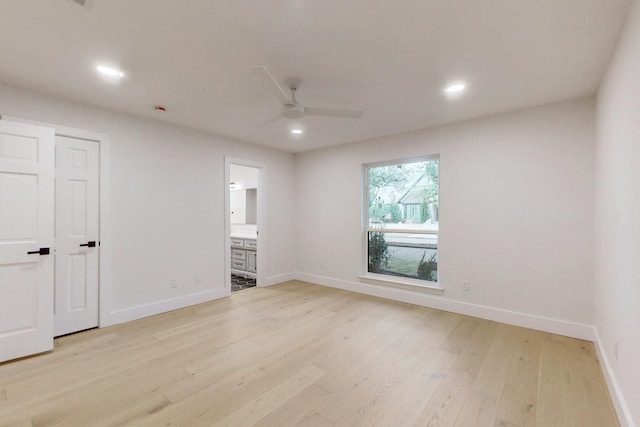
293	111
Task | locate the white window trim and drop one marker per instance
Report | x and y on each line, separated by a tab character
385	279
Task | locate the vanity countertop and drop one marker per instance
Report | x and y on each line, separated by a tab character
245	235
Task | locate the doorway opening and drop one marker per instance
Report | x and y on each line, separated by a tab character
243	212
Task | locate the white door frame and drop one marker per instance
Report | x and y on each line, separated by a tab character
261	220
104	255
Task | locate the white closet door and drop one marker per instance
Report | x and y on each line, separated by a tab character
77	235
26	239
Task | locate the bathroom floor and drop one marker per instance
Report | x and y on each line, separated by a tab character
239	283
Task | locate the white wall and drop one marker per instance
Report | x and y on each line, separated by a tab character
515	215
244	176
167	200
617	219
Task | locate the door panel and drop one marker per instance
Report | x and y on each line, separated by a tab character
251	261
26	225
17	291
19	148
78	212
77	282
77	223
18	207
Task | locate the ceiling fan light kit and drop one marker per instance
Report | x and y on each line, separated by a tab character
294	110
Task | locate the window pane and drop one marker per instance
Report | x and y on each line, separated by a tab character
413	256
404	196
403	215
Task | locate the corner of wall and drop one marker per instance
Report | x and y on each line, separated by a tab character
279	278
619	402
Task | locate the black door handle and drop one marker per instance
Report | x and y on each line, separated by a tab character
91	244
42	251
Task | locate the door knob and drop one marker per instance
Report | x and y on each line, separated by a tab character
91	244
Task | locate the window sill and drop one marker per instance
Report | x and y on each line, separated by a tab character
402	283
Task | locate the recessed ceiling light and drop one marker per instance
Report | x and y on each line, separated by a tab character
109	71
455	88
296	131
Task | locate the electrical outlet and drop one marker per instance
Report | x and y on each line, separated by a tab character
174	283
466	286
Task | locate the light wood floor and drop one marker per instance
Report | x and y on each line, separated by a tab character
301	354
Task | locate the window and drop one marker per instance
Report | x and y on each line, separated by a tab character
402	219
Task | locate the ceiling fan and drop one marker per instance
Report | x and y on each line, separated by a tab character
291	107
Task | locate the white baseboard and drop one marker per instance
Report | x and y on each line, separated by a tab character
151	309
138	312
280	278
619	403
546	324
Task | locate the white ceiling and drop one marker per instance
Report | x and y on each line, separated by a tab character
388	58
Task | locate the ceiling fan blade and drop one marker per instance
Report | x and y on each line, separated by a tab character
271	83
269	121
333	112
